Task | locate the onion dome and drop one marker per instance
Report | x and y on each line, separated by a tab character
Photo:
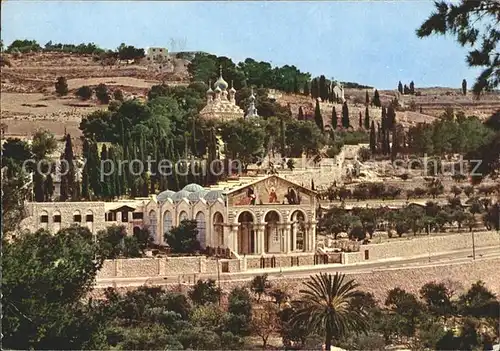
221	83
252	96
232	90
217	90
193	187
209	91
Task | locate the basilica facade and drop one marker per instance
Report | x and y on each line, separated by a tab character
250	216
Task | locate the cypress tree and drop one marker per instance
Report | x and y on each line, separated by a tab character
106	193
283	136
376	99
400	87
345	116
387	141
78	194
85	172
412	87
307	91
384	119
360	121
334	118
373	139
68	179
94	171
379	132
121	178
395	144
367	101
49	187
406	90
295	85
385	150
464	87
390	118
367	118
314	88
323	90
318	118
38	186
301	114
63	186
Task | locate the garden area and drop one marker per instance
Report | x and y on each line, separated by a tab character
53	309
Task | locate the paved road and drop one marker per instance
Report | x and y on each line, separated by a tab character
305	271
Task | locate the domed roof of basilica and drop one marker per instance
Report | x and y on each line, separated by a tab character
182	194
164	195
213	195
193	187
195	196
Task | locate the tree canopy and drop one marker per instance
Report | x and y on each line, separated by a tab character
475	25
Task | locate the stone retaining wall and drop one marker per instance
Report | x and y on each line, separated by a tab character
175	266
418	246
378	282
168	266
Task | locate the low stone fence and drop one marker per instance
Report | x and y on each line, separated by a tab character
277	261
419	246
163	267
194	265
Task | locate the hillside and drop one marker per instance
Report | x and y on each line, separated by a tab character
29	102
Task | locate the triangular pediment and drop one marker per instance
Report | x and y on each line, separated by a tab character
270	190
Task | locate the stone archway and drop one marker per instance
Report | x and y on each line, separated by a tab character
218	229
272	234
246	237
201	227
298	232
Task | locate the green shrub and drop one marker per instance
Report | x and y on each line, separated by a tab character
84	92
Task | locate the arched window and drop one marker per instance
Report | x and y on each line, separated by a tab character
201	227
183	216
167	222
44	219
218	229
152	224
77	216
56	220
89	220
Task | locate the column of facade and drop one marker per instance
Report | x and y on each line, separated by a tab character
286	233
313	235
305	239
294	237
234	236
259	232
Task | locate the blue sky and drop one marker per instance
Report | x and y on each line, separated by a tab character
370	42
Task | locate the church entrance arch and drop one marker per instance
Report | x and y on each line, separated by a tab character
272	237
245	239
298	232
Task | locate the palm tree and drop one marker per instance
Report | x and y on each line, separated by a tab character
326	307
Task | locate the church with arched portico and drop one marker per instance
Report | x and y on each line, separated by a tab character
249	216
